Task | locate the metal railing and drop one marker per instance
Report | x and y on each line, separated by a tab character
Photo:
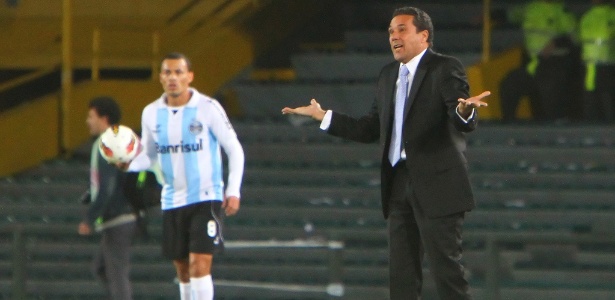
333	290
494	240
97	54
18	286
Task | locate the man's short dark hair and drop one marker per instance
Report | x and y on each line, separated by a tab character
422	21
177	55
106	106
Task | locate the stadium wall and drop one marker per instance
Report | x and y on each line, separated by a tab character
29	134
487	77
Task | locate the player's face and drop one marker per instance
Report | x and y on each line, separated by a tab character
96	123
175	77
406	42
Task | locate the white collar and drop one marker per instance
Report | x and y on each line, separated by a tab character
414	62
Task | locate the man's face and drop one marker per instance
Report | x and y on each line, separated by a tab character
96	123
175	77
405	41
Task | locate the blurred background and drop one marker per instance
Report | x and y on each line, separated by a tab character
310	226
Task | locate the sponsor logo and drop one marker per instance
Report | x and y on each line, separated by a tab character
179	148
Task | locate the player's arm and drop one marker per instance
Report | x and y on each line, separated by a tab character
107	184
236	159
224	132
147	154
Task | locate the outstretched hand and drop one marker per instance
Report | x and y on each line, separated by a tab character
466	105
313	110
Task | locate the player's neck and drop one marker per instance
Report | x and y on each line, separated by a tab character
180	100
101	129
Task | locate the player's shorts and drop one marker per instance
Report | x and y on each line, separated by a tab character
194	228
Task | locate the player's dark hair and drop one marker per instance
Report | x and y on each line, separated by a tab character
106	106
177	55
422	21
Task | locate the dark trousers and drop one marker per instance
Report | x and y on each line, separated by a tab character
412	235
112	261
553	91
599	104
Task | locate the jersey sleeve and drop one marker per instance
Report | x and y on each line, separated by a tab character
224	132
147	156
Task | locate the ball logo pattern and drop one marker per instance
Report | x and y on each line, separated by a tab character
118	144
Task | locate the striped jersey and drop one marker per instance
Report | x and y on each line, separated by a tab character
185	142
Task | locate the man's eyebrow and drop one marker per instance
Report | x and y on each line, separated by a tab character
398	25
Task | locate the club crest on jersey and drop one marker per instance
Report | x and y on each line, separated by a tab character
195	127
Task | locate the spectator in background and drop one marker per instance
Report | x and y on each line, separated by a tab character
109	212
597	35
550	69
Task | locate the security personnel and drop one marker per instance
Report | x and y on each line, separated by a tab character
597	34
551	62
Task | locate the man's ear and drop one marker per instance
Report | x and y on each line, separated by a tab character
425	35
106	120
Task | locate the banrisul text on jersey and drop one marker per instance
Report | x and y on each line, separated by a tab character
179	148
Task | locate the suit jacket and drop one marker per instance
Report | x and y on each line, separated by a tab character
433	134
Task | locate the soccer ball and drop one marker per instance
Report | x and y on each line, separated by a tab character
119	144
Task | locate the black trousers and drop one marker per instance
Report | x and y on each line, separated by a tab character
413	236
554	90
599	104
111	263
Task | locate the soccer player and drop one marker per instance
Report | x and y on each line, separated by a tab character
183	131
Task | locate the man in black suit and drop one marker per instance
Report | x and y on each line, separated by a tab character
425	185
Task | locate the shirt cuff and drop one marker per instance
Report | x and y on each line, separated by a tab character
469	118
139	163
326	120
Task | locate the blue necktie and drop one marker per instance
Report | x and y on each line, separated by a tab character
400	101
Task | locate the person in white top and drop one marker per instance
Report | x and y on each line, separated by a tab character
183	132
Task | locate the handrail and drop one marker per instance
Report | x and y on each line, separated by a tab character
493	240
486	55
19	263
155	54
334	290
97	53
28	77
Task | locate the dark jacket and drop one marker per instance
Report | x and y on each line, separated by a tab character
433	133
110	201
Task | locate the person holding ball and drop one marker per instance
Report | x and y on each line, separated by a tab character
109	211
